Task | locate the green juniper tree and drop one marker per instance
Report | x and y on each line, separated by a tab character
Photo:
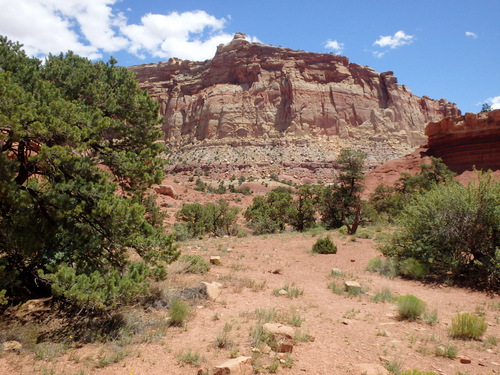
342	201
79	146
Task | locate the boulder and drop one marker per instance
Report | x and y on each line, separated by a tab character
352	287
213	290
235	366
12	345
282	337
166	190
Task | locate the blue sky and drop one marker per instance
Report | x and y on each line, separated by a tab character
440	48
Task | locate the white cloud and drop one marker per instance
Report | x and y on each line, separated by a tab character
177	35
495	102
378	54
399	39
53	26
93	27
334	45
470	34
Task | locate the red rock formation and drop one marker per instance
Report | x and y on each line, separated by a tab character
466	141
462	142
251	94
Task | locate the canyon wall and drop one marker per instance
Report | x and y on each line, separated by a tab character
256	103
466	141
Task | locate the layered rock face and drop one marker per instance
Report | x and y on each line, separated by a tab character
260	104
467	141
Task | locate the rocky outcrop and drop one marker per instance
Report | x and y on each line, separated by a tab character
251	96
466	141
462	142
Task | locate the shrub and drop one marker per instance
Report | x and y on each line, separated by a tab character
194	264
453	231
324	245
269	214
99	291
191	358
386	267
410	307
217	218
467	326
448	351
179	312
413	269
384	295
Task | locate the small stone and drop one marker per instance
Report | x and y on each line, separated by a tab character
352	286
215	259
353	260
266	349
282	292
336	272
235	366
465	360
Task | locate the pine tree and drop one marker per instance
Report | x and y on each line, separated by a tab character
79	146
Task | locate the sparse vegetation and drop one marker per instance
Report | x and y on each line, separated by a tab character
290	291
383	295
448	351
466	326
190	358
324	245
179	312
194	264
410	307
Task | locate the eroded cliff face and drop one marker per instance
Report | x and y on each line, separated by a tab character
267	101
467	141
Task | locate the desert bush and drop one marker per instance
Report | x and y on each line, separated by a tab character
189	357
269	214
390	201
467	326
386	267
324	245
194	264
179	312
448	351
410	307
216	218
413	269
220	189
453	231
383	295
245	190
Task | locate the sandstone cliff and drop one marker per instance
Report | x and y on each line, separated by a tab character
263	105
462	142
466	141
